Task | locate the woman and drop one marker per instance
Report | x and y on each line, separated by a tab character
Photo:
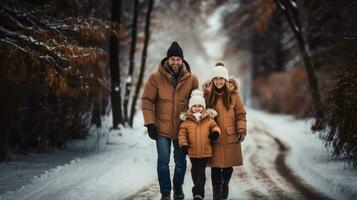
221	94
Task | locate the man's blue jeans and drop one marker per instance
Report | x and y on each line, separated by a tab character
163	145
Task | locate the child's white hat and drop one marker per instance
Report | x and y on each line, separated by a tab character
197	98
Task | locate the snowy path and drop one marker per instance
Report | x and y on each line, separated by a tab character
126	169
265	175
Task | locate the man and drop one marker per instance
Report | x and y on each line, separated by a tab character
165	96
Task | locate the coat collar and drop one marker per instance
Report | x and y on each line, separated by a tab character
186	70
207	113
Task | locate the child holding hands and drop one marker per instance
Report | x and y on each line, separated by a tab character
197	131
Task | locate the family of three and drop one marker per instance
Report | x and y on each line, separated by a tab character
207	126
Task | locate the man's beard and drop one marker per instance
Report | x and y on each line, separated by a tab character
178	68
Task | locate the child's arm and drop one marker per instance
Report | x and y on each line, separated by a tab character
182	136
214	127
214	131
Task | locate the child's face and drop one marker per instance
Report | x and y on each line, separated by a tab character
197	108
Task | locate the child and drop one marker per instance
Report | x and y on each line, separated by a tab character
197	131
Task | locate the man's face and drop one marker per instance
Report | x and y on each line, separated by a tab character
175	63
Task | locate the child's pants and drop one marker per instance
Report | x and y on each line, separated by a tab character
198	175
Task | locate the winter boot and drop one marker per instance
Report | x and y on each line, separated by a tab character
178	193
217	192
225	189
165	195
197	197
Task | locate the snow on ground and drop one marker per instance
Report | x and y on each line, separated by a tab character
309	158
128	164
108	172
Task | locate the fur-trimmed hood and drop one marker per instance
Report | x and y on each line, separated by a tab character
207	113
233	85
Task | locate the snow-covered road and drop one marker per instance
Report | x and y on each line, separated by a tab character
274	168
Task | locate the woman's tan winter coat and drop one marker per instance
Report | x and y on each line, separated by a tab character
164	98
195	133
227	150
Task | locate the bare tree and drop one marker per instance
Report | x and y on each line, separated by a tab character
129	80
290	11
114	65
143	61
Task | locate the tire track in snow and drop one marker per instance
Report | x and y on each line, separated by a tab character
262	166
280	166
254	188
145	193
265	175
307	191
249	181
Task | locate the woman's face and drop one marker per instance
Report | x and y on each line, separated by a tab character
219	82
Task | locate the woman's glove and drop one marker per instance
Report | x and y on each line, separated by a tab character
241	137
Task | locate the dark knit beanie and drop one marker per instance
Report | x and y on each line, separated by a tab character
175	50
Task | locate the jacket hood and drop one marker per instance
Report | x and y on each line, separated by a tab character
233	85
207	113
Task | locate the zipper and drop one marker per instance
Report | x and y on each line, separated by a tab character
173	113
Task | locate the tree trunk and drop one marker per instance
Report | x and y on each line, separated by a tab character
143	61
130	77
114	66
291	14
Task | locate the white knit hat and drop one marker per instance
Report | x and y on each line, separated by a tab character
197	98
220	71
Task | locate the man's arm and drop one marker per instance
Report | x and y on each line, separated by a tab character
148	99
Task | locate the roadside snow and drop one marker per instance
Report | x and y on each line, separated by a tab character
128	164
308	157
110	172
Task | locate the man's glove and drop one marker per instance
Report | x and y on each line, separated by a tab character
184	149
152	131
213	135
241	137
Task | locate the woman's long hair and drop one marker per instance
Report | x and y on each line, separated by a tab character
213	96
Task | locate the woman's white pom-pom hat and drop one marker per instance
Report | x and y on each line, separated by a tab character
220	71
197	98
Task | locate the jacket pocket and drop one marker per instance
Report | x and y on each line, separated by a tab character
232	135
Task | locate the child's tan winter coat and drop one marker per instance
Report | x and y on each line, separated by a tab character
195	133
